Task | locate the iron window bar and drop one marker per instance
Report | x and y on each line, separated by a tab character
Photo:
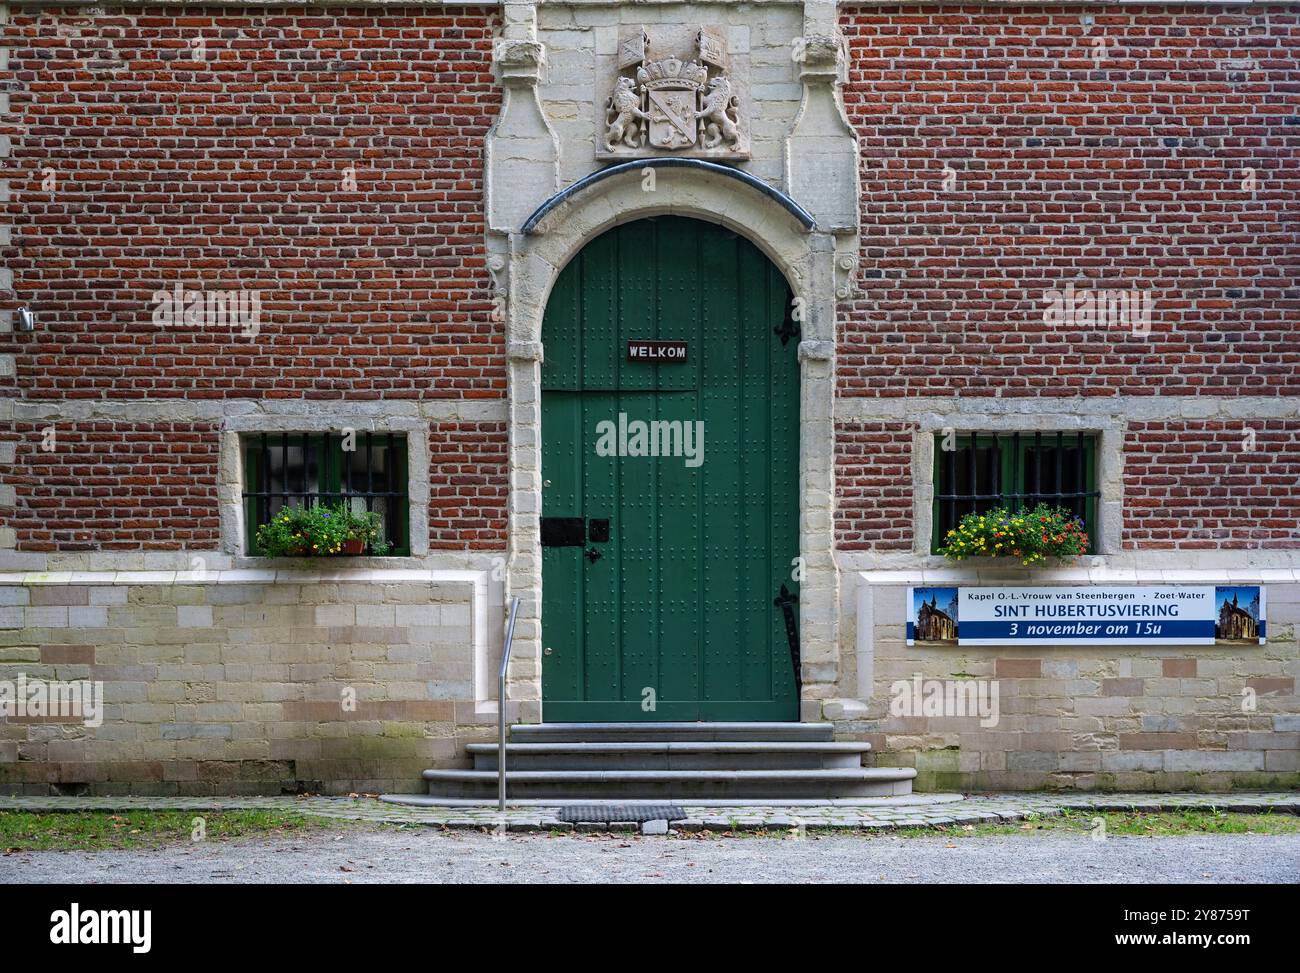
1004	453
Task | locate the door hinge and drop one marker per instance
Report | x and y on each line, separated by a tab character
789	327
786	602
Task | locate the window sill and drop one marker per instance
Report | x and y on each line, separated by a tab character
339	561
1082	569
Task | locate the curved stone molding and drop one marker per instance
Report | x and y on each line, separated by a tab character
533	223
846	274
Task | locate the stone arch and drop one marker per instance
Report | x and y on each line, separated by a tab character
701	165
539	256
805	255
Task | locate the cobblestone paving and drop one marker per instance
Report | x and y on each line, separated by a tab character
975	809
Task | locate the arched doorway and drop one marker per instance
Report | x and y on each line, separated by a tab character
670	465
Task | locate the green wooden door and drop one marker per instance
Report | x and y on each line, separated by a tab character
672	617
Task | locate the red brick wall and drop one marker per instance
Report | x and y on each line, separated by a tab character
1201	485
224	169
116	486
873	470
468	485
228	173
1129	172
153	486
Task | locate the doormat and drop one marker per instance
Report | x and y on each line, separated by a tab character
639	813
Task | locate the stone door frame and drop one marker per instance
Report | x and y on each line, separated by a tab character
816	272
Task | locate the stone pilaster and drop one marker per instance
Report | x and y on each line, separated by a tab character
523	152
524	565
821	149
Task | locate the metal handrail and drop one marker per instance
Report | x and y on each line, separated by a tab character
501	706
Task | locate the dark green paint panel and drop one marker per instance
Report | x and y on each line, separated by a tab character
680	599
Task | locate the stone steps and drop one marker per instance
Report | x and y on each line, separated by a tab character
583	785
678	761
673	755
655	732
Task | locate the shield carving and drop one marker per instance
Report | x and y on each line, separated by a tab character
672	116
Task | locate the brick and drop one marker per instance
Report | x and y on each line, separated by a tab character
1054	741
55	594
1161	723
1121	687
1019	668
1103	707
1042	761
332	710
418	615
1263	741
194	616
191	731
1125	761
375	616
68	654
330	616
1086	762
87	617
1284	685
1197	760
1282	761
45	617
1178	668
1157	741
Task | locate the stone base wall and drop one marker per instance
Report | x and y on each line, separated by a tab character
1077	717
231	687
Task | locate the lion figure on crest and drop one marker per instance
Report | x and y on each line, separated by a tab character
719	114
621	115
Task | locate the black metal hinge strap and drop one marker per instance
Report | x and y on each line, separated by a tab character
786	602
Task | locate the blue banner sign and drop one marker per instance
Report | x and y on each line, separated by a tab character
1088	615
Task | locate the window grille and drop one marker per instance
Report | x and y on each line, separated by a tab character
1014	470
302	469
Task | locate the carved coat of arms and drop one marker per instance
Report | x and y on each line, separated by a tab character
672	104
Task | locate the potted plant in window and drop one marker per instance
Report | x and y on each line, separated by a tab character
1031	535
320	531
287	534
362	530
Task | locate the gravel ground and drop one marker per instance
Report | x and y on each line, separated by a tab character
432	856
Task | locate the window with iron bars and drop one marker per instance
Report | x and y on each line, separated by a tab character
302	469
1014	470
